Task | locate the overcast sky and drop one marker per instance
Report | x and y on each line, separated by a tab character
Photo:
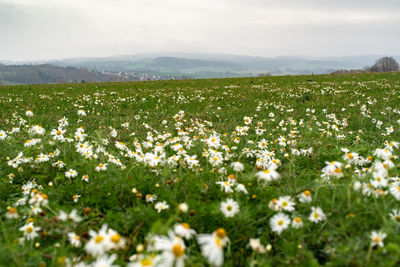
48	29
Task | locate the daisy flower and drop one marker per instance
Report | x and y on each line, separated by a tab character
97	244
285	203
226	186
184	230
377	238
395	215
212	246
150	198
279	222
317	215
101	167
268	174
105	261
11	213
160	206
297	222
172	250
75	198
71	173
237	166
305	197
229	207
395	191
30	231
74	239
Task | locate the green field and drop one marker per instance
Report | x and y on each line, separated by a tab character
295	170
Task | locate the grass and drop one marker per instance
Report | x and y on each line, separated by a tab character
292	113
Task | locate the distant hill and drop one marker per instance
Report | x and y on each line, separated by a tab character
153	66
46	73
220	64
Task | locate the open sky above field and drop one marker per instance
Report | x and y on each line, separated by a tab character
47	29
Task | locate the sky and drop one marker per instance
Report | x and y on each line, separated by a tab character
55	29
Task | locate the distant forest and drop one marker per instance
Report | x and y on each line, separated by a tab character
46	73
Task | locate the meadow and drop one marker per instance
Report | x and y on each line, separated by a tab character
294	170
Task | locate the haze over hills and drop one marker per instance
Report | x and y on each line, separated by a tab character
196	65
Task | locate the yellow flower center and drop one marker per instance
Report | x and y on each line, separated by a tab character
267	171
116	238
307	193
178	250
98	239
218	241
77	237
185	225
284	203
377	239
337	170
29	229
229	207
146	262
280	222
297	219
12	210
58	132
221	233
316	215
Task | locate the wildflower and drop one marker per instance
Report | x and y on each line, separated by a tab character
74	239
160	206
29	113
256	245
184	230
143	260
332	169
285	203
150	198
101	167
76	198
237	166
395	191
73	216
85	178
3	135
279	222
11	213
297	222
229	207
305	197
268	174
395	215
241	188
105	261
383	154
226	186
172	249
30	231
317	215
212	246
97	244
81	112
71	173
115	240
377	238
58	134
183	207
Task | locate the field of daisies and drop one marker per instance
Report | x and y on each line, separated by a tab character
299	171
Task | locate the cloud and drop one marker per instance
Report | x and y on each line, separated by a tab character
43	29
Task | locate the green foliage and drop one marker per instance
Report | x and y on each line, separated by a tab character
309	109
